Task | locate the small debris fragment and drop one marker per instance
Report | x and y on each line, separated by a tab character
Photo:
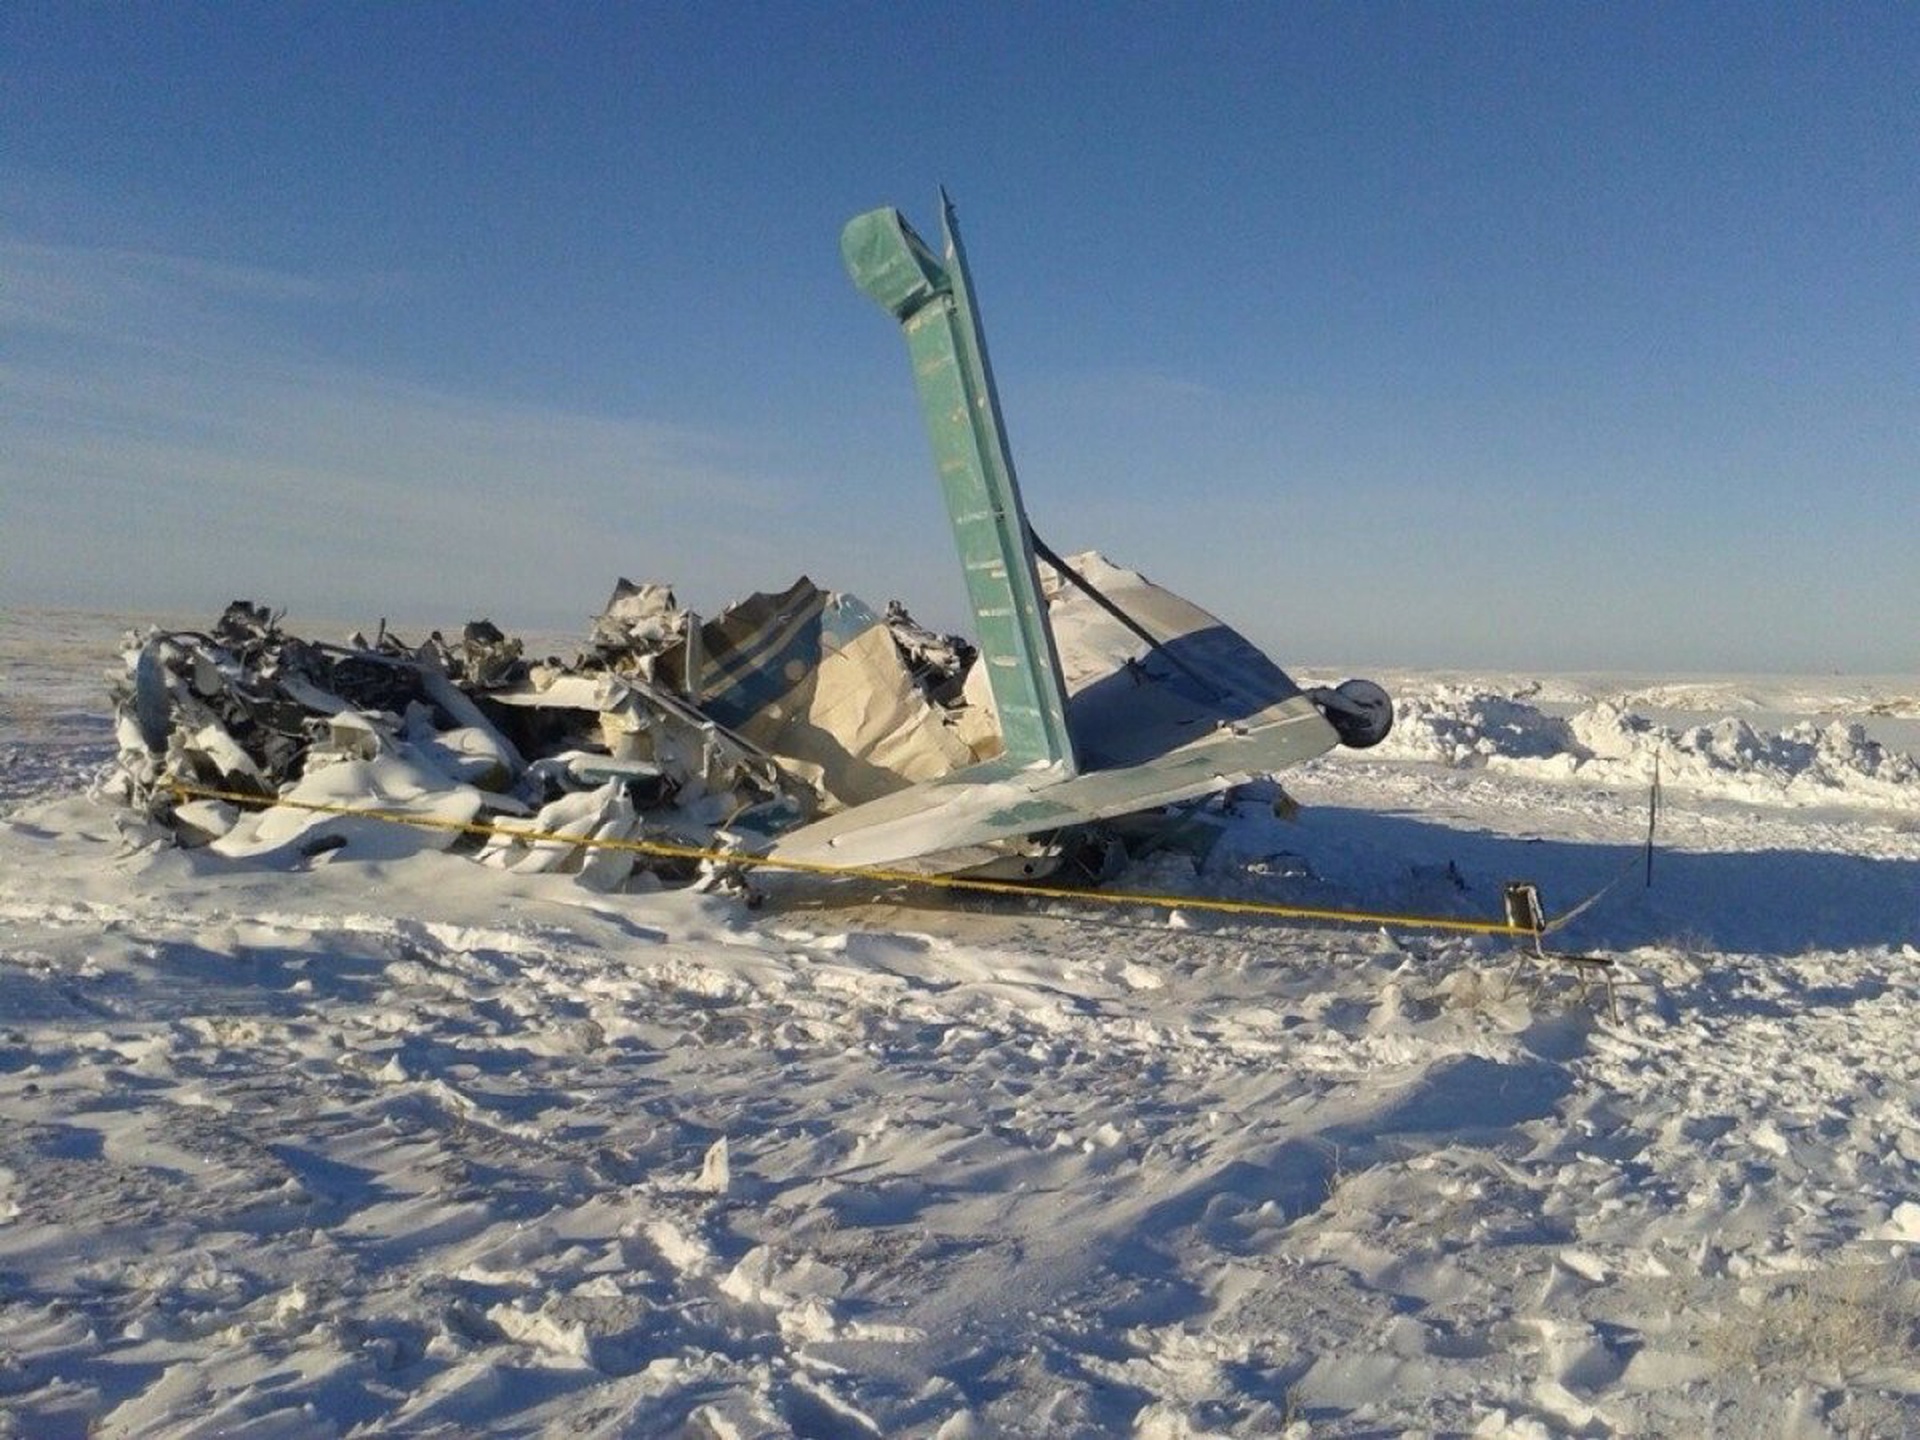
716	1170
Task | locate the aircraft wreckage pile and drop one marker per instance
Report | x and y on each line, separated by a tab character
785	708
801	728
662	727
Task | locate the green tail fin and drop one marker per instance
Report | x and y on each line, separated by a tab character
931	299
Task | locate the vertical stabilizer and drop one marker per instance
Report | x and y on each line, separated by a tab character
931	299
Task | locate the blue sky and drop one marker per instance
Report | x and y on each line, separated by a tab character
1547	337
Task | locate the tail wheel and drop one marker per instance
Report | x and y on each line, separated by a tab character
1360	712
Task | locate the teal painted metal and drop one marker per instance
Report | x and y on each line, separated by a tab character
931	298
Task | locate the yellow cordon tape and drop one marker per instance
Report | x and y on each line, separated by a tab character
744	861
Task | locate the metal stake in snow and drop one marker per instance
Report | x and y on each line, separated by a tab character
1653	814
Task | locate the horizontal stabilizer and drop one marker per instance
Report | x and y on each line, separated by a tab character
933	825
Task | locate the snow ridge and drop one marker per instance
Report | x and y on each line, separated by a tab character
1805	764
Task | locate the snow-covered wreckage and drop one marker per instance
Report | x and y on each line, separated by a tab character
801	728
662	727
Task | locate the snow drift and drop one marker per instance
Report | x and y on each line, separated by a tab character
1803	765
310	1144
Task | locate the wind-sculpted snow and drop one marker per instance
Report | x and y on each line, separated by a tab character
319	1146
1805	764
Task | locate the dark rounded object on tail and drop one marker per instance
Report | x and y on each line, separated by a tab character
1362	713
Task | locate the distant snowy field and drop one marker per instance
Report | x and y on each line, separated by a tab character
419	1147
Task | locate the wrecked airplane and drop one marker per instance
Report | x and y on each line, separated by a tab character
800	728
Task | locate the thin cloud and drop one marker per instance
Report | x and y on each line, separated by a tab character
159	425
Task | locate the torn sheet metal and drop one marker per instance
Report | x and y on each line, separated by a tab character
584	718
820	681
1155	723
1129	701
766	722
786	706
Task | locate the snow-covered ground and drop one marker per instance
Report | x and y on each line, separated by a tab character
416	1146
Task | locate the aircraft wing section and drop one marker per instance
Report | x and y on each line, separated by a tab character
938	826
1129	701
